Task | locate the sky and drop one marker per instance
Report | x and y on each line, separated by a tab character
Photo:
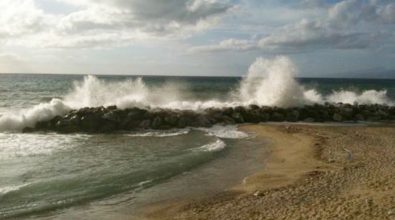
325	38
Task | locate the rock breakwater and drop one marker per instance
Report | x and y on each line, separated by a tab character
110	119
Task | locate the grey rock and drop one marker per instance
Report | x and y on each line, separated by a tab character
337	117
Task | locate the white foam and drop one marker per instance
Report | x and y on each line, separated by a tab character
94	92
29	117
170	133
269	82
7	189
218	145
228	132
366	97
272	83
16	145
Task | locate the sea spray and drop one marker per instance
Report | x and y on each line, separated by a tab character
216	146
271	82
268	82
93	92
365	97
29	117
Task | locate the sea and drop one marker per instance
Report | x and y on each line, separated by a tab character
47	175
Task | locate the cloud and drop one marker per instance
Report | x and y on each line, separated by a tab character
105	22
314	3
151	16
348	24
13	61
388	13
20	17
229	44
316	35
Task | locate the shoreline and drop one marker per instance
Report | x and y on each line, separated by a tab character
312	172
291	156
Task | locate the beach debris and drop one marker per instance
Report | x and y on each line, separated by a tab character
369	202
258	193
349	153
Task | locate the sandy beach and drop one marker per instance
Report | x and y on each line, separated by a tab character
313	172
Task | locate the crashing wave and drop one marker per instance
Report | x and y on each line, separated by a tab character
8	189
216	146
269	82
227	132
161	133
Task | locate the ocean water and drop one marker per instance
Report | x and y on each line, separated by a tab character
43	173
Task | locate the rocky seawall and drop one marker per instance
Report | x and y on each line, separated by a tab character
110	119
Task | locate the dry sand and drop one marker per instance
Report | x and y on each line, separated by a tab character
314	172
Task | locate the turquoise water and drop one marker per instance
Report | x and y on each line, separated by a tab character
43	172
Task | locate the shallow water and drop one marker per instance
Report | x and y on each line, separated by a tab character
240	158
41	172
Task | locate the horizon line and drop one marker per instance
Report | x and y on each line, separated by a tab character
213	76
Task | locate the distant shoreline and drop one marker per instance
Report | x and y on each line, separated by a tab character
313	172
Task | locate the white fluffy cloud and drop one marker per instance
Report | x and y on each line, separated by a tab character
20	17
105	22
349	24
229	44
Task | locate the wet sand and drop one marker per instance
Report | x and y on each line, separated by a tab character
313	172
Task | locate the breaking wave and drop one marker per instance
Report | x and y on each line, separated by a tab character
170	133
269	82
226	132
31	145
218	145
7	189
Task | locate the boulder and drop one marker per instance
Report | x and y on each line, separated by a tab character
292	115
227	111
43	125
346	112
252	115
171	120
68	125
238	117
226	120
111	116
145	124
309	120
202	121
359	117
253	107
337	117
264	117
90	122
183	122
111	107
156	123
277	116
